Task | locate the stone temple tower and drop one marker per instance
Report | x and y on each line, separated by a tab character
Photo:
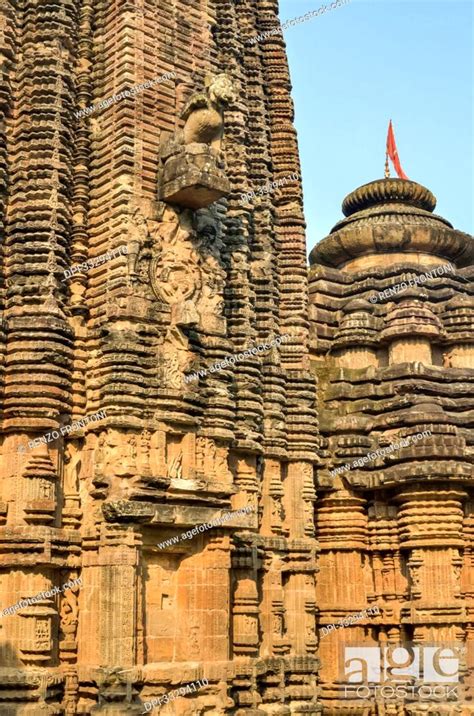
392	314
177	533
131	268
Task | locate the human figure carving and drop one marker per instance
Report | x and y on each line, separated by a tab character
137	235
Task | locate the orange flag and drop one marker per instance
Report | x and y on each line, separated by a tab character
393	154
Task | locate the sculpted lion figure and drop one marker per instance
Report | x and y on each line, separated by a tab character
204	113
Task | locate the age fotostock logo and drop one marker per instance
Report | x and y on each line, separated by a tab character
397	671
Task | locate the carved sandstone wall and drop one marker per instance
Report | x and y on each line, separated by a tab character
117	432
113	345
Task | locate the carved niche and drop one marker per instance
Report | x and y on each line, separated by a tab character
186	274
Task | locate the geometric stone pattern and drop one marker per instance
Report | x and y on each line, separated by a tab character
396	531
198	282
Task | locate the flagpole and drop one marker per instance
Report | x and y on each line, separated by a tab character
387	167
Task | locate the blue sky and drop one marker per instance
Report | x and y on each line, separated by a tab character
355	67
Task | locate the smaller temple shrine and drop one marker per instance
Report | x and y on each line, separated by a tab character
392	312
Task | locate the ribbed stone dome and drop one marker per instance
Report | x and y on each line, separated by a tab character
392	216
387	199
383	191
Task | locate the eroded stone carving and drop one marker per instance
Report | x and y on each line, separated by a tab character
187	275
192	170
204	113
137	233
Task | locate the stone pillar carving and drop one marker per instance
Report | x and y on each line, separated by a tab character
356	340
458	320
342	529
109	598
298	501
272	493
411	326
245	613
204	596
434	559
40	482
273	622
244	469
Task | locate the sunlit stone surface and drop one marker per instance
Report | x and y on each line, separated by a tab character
397	531
204	277
142	437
